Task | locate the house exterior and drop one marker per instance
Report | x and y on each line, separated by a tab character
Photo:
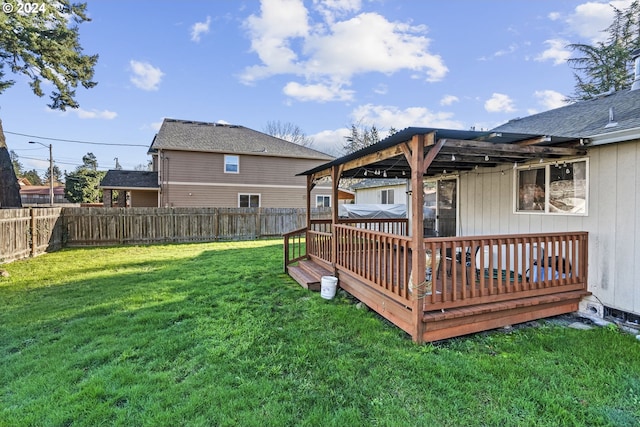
487	267
33	195
609	128
200	164
135	189
380	191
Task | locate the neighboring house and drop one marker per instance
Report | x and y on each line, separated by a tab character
201	164
598	193
40	194
381	191
133	188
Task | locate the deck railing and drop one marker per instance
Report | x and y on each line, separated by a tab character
463	271
381	259
295	247
476	270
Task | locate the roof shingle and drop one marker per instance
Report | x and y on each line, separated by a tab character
187	135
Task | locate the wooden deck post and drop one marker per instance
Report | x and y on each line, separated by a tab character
336	171
415	158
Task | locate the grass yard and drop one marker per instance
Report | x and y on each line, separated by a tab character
215	334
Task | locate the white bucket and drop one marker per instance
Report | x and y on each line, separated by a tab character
328	287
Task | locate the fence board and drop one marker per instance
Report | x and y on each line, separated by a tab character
54	228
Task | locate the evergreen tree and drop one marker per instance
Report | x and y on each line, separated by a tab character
9	187
608	65
41	46
44	46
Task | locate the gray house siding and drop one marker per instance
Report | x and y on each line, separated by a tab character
612	220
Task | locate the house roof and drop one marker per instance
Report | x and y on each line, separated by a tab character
185	135
583	119
373	183
121	179
41	189
458	150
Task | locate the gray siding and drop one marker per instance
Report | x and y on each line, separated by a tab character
613	223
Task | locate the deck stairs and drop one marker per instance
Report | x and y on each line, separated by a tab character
309	274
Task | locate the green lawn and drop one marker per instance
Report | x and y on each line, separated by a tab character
216	334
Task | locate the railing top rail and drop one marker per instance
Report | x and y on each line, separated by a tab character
371	220
505	236
294	232
375	233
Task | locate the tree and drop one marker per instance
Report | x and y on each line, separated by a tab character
44	46
289	132
33	177
9	187
15	160
57	174
607	65
89	161
82	185
361	136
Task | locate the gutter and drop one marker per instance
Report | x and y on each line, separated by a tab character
613	137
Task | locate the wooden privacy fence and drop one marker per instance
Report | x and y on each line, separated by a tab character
29	232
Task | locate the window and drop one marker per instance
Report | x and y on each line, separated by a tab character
248	200
231	164
323	201
559	188
386	197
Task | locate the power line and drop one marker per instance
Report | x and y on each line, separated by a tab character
75	141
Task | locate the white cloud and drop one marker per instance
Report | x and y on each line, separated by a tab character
550	99
333	9
95	114
508	51
386	117
590	19
499	103
331	141
145	76
554	16
449	100
317	92
200	28
556	52
330	52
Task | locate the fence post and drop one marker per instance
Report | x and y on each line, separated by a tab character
32	231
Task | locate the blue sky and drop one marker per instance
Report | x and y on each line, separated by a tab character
321	65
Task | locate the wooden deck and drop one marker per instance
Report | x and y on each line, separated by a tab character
486	282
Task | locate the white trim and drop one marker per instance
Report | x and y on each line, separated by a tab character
250	194
546	166
224	184
323	197
613	137
230	163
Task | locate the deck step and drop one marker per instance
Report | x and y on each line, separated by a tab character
449	323
308	274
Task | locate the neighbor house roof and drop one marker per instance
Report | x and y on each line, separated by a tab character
379	182
605	114
185	135
121	179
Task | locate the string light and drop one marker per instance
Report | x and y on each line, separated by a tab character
453	157
486	158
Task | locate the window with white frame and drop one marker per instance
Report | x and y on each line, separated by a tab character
231	164
248	200
323	201
386	197
556	188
